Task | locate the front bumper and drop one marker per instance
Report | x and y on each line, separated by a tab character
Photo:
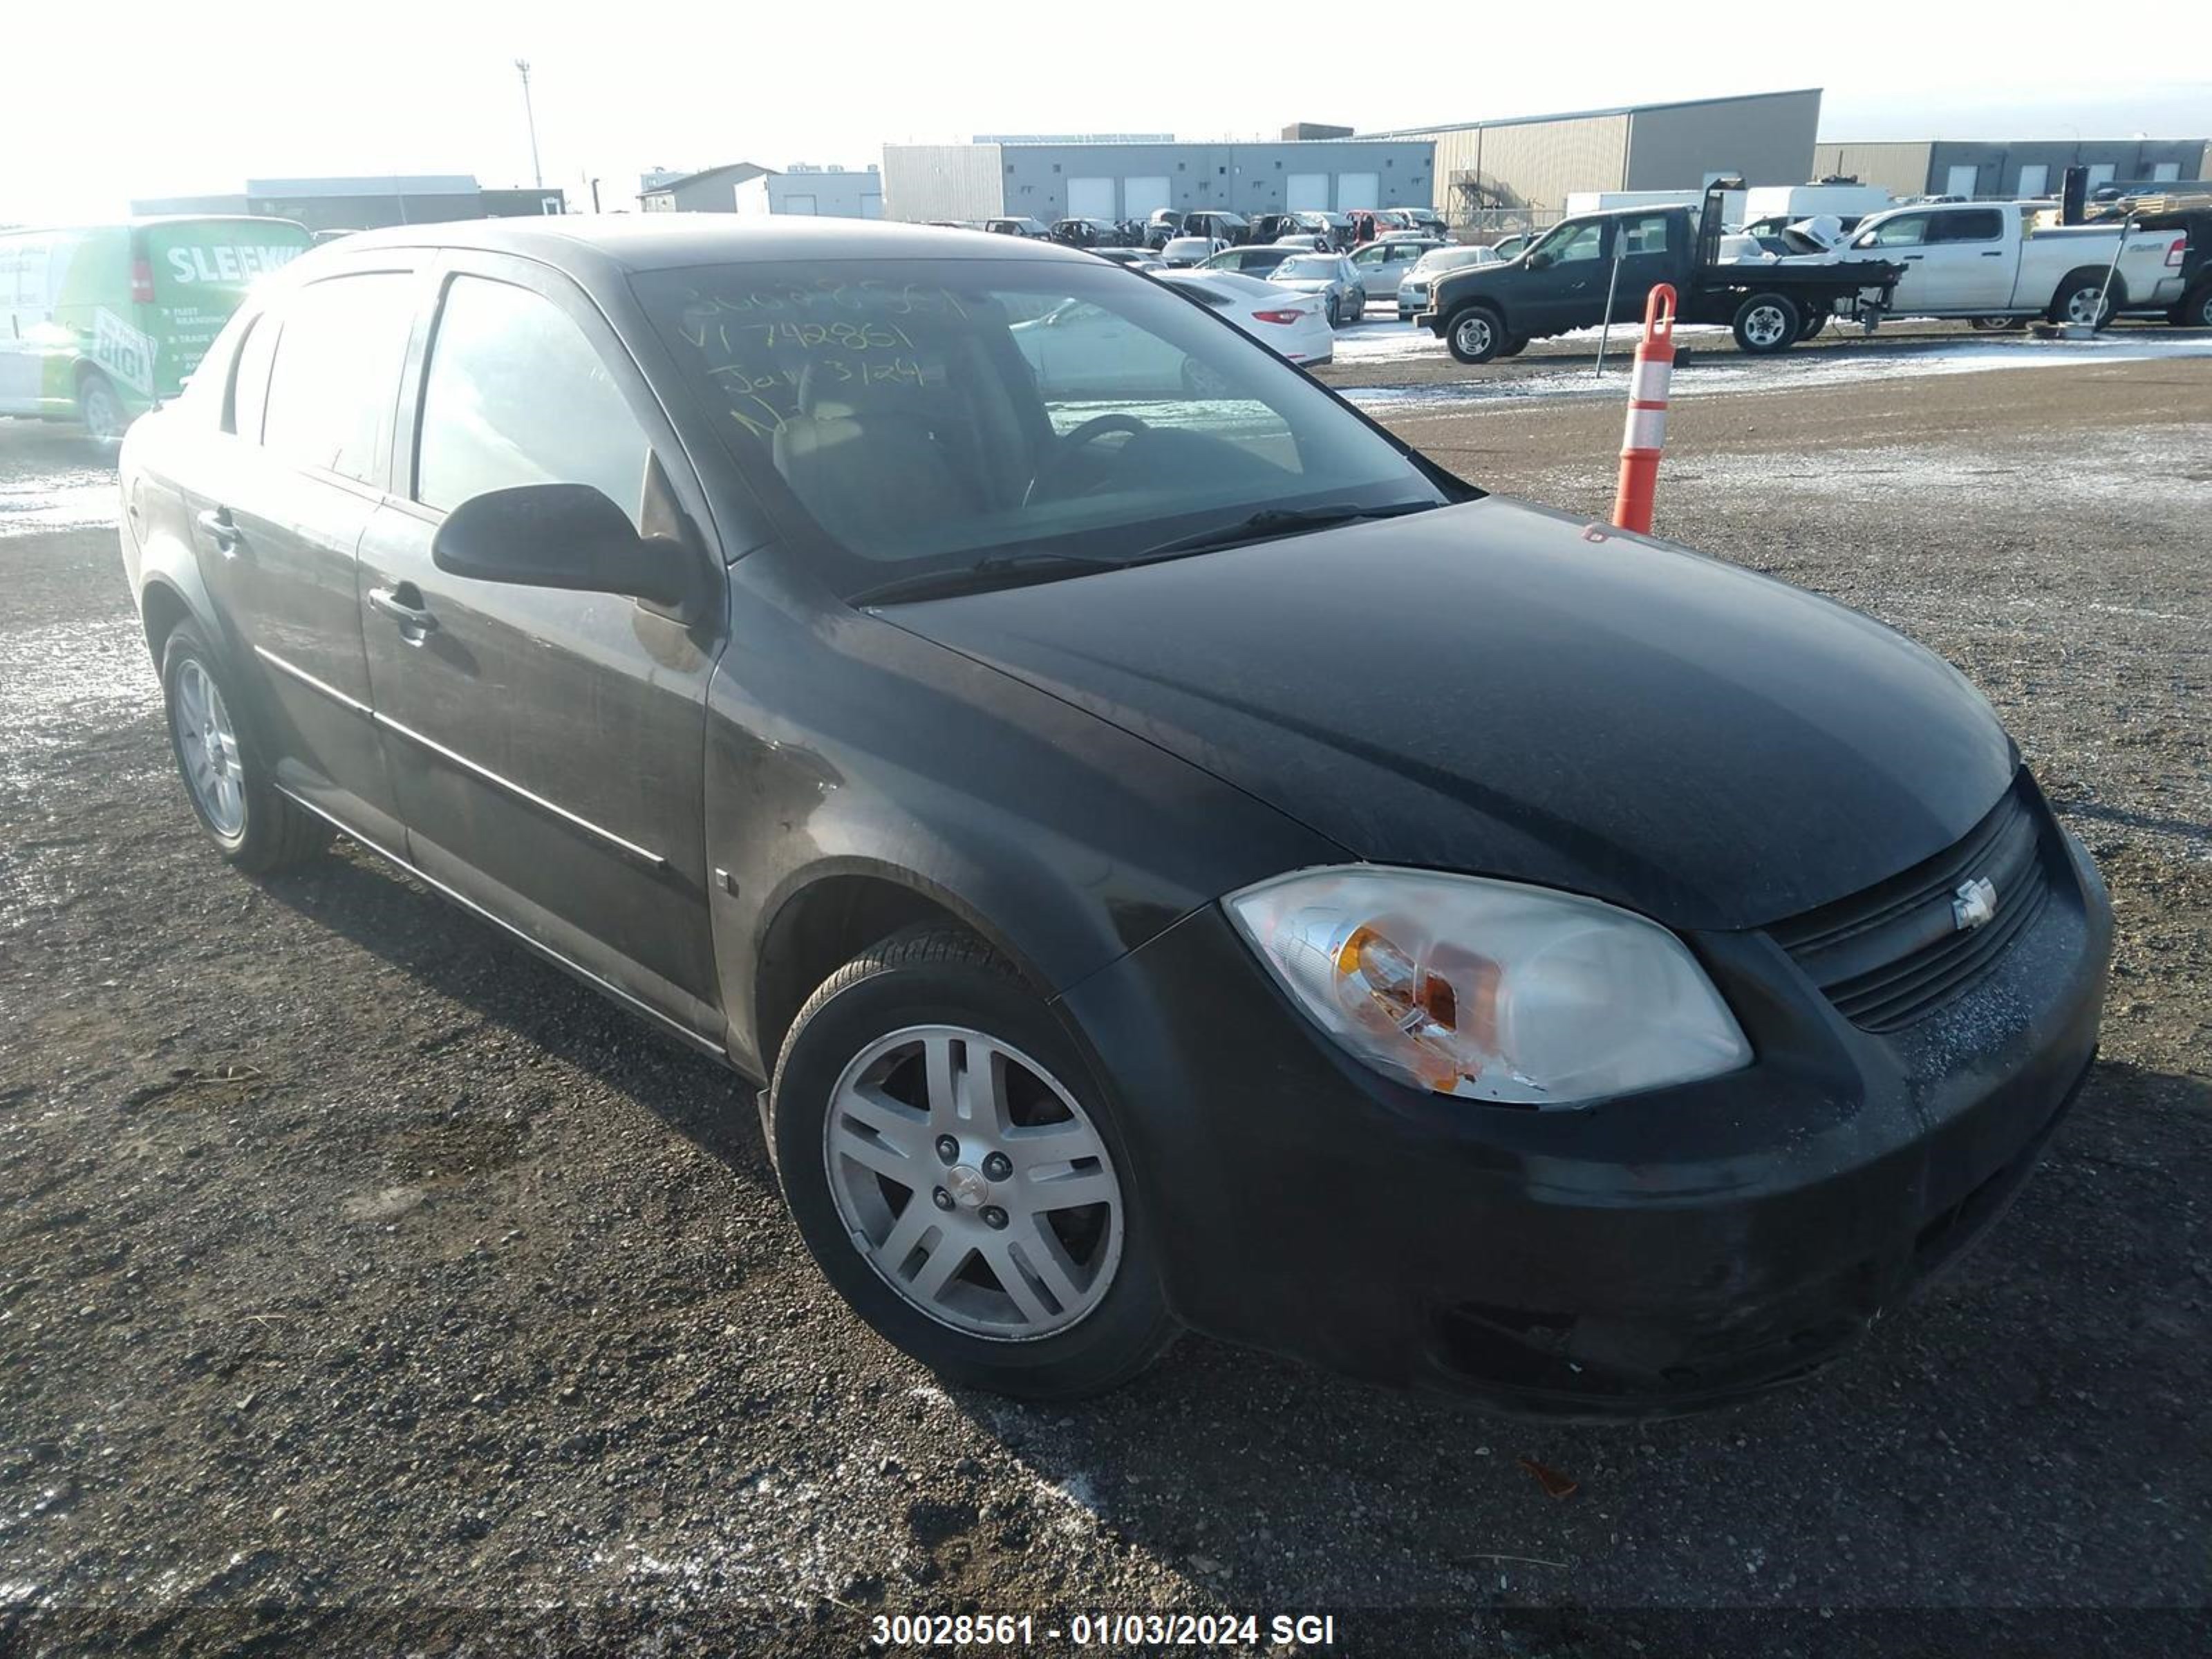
1651	1254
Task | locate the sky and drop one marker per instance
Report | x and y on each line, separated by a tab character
196	99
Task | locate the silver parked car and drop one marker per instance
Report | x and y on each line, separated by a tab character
1329	278
1381	267
1414	290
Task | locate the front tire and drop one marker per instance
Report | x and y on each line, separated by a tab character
1476	335
959	1179
1767	323
252	824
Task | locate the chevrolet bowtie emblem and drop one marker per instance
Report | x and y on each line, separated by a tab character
1974	905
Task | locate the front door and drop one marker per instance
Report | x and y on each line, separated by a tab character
546	747
1569	291
278	507
1901	240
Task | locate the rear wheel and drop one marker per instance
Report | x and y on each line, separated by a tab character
1476	335
958	1179
99	409
255	827
1816	318
1767	323
2083	301
2195	310
1999	325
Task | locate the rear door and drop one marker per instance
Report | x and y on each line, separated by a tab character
546	747
1648	257
1968	262
279	508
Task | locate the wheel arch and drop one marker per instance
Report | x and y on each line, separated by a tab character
2118	286
825	916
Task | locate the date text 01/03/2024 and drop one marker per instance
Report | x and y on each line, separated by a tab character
1197	1630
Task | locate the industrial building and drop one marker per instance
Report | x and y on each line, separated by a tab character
1057	179
2012	169
366	203
1521	170
831	193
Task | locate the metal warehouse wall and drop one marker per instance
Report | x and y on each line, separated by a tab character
1534	163
1998	166
1769	139
1899	166
945	181
1246	179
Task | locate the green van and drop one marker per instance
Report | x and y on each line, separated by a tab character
99	323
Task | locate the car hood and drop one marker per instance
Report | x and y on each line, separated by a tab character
1503	689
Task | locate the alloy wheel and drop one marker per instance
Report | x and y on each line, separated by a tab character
973	1182
208	744
2086	306
1474	334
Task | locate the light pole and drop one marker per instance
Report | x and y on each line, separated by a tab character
522	68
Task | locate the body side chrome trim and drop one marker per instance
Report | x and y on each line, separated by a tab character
629	1000
643	855
306	679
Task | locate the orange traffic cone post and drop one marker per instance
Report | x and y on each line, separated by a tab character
1646	436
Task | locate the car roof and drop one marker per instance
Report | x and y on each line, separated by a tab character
625	242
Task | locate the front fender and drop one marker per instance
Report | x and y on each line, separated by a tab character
840	743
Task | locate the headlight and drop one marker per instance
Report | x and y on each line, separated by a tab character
1488	989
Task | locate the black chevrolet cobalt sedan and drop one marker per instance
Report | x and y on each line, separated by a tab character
1171	856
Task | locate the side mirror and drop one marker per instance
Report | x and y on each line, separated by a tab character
563	535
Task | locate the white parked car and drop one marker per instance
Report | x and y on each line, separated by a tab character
1414	290
1382	265
1294	326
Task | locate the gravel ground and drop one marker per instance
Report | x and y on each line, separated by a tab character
366	1284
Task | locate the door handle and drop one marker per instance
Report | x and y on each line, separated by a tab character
1994	253
216	521
1912	256
404	605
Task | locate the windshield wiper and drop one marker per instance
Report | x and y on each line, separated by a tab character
1275	521
1006	570
1016	569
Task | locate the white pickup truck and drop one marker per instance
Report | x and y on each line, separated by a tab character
1985	259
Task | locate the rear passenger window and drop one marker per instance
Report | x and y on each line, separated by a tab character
517	395
1982	225
336	372
1644	235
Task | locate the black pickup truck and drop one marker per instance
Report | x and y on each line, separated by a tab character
1560	281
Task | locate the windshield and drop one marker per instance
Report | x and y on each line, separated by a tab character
1314	270
924	415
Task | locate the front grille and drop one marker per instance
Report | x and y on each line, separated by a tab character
1894	953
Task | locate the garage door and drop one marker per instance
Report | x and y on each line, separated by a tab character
1356	190
1306	192
1144	194
1091	198
1963	181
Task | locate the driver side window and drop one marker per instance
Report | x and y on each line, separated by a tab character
1909	230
